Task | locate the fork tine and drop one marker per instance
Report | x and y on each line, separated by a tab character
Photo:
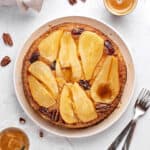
147	94
142	92
145	102
148	105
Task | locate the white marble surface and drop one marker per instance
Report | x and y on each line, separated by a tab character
135	29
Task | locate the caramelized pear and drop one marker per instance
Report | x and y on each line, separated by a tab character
65	47
40	94
43	73
106	85
91	49
68	56
49	47
114	78
66	107
59	72
83	106
75	63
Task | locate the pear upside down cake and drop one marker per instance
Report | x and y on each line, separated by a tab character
74	75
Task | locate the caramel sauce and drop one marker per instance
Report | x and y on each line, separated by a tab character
13	139
104	91
121	6
67	74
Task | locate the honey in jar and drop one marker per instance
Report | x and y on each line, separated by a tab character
13	139
120	7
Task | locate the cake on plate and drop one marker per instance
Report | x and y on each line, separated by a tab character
74	75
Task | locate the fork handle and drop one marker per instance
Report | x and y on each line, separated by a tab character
120	137
129	136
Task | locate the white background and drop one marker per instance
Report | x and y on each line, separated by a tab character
135	29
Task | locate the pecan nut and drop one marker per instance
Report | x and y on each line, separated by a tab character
34	57
85	84
41	134
77	31
53	65
100	107
109	47
7	39
54	115
22	120
5	61
72	2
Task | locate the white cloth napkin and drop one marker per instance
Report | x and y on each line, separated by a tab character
23	4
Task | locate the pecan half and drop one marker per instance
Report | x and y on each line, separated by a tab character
43	110
85	84
41	134
7	39
34	57
53	65
22	120
100	107
77	31
109	47
5	61
72	2
54	115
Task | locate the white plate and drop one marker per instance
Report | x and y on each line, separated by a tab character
76	133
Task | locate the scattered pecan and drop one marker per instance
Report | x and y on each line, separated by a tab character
5	61
22	120
41	134
77	31
109	47
85	84
34	57
72	2
100	107
7	39
53	65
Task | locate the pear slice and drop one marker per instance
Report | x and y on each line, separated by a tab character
49	47
65	47
39	93
106	85
75	63
59	72
114	78
66	108
43	73
68	56
83	106
91	49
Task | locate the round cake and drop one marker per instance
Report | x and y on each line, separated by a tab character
74	75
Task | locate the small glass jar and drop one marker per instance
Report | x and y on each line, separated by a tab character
120	7
13	138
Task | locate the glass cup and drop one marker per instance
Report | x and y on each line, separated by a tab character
13	138
120	7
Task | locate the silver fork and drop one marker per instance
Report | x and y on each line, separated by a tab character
144	94
139	110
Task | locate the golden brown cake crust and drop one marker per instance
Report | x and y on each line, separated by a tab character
103	110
